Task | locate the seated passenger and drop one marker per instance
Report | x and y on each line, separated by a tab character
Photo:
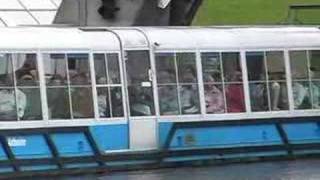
168	100
8	109
235	94
315	87
58	99
258	97
103	102
189	99
33	100
279	99
80	79
213	97
300	96
141	101
82	102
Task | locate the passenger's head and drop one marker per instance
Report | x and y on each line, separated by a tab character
56	80
189	74
80	79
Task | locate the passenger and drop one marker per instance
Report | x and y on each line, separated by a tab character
80	79
213	97
300	96
188	75
189	100
258	96
315	87
103	102
103	98
8	108
168	100
33	102
141	101
58	99
235	93
82	102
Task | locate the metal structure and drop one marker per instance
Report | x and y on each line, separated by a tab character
127	13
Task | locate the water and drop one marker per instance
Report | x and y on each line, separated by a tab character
280	170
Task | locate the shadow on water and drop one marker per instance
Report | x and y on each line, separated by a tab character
280	170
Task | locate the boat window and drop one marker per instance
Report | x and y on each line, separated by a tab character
315	77
8	109
222	77
277	81
233	84
19	87
139	81
26	72
267	81
108	89
213	86
177	83
300	79
55	69
69	93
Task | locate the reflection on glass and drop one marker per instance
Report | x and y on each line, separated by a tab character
113	69
299	64
78	65
55	69
255	65
26	69
278	96
315	88
211	67
275	65
100	68
214	98
138	67
301	95
6	75
235	98
82	105
8	109
168	100
231	67
315	64
58	103
186	63
165	66
32	105
189	99
258	97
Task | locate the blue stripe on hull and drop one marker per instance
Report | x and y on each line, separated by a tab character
29	146
302	132
72	144
222	136
111	137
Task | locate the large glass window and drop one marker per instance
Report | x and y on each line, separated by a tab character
109	89
222	78
177	83
19	87
68	83
305	68
267	81
139	81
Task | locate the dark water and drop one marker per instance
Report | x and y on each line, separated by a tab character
283	170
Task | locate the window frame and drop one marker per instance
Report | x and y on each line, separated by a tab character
95	85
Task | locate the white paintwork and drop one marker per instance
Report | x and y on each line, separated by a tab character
143	134
56	39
